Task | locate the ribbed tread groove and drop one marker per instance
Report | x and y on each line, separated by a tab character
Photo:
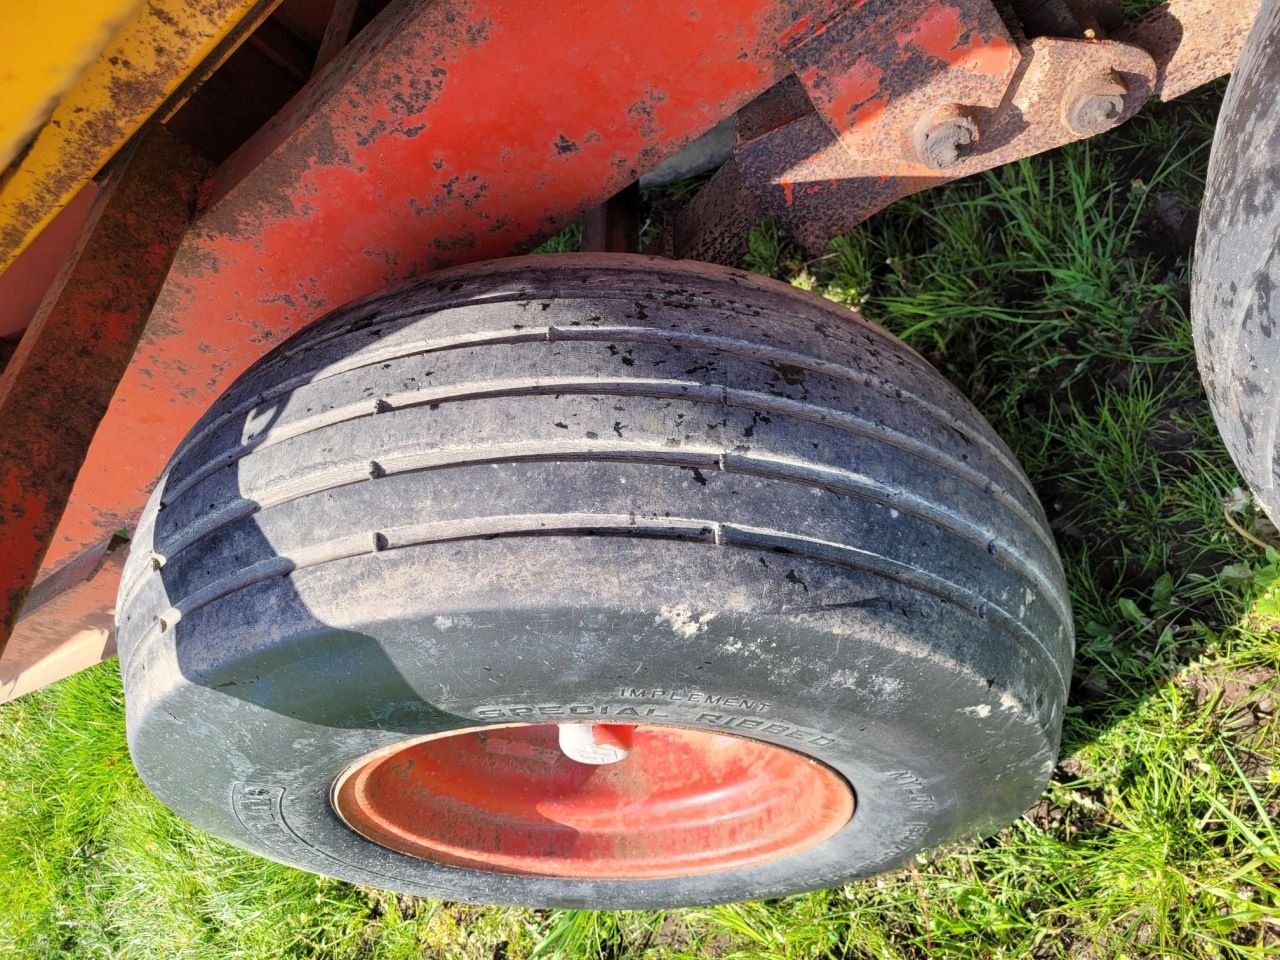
564	294
694	530
833	479
741	348
687	390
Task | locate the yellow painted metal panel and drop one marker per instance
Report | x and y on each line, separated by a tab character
143	65
44	46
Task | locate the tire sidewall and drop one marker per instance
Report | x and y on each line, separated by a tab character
262	773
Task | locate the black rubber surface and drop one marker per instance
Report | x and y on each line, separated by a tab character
594	486
1236	295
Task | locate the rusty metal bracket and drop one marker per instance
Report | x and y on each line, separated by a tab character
905	87
821	171
956	93
1065	90
1192	41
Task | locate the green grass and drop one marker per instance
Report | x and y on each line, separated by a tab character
1053	292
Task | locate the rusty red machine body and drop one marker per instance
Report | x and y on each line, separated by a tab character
449	131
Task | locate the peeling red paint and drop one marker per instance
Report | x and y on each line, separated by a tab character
797	30
851	91
939	32
869	113
993	57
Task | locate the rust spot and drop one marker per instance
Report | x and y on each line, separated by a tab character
940	33
1192	41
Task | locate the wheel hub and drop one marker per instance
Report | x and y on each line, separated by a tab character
656	801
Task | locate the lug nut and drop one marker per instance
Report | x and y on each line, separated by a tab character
1095	104
941	136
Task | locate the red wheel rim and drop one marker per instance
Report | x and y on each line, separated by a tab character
506	799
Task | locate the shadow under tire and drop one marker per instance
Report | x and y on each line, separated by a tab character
1235	297
757	535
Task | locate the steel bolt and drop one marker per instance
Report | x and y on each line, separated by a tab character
941	136
1095	104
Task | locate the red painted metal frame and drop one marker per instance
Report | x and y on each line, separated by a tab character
456	130
448	131
56	387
